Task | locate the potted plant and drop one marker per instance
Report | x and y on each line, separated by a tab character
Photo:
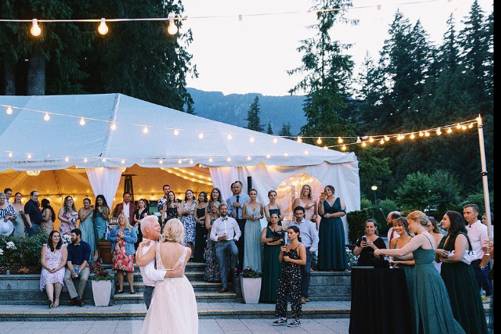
101	285
251	285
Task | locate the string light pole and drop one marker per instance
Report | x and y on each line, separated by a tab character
485	184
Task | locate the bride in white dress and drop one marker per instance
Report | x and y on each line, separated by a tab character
173	306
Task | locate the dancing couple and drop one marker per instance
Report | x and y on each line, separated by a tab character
168	295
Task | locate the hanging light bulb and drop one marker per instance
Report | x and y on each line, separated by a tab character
470	126
371	140
229	136
35	29
458	126
179	161
359	140
113	126
364	144
426	134
275	140
228	159
343	147
9	111
66	159
381	141
29	156
160	161
172	27
463	127
252	139
319	141
438	132
46	117
191	162
145	129
102	29
340	140
82	121
421	133
413	136
201	135
306	152
249	158
176	132
449	130
325	148
286	154
268	156
299	139
211	160
386	138
10	154
85	160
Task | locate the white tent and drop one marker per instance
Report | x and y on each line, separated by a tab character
115	131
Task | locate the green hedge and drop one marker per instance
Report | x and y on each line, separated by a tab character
26	253
356	222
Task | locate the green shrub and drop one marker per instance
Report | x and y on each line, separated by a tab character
387	205
365	203
356	224
26	252
477	199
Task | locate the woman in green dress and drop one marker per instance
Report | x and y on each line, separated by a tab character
272	238
430	298
331	245
87	227
101	217
459	277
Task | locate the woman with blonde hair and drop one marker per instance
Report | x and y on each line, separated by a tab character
123	237
431	304
173	307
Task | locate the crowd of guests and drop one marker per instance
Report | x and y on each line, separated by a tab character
445	271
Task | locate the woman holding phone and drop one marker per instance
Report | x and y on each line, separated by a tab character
367	244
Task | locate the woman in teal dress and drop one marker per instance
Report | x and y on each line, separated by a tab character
430	298
331	245
19	224
459	277
87	227
252	212
272	238
100	217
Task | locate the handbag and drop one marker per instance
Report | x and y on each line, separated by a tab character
468	256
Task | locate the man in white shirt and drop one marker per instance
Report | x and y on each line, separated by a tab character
225	232
151	234
126	207
477	233
235	210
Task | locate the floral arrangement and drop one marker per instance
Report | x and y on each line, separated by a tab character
248	272
352	259
100	274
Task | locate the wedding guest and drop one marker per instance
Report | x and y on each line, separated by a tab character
367	244
78	267
211	272
435	233
33	214
164	199
430	298
101	217
48	216
187	211
225	233
139	214
389	220
292	257
87	228
459	277
127	207
7	216
200	231
401	227
21	223
171	208
252	212
215	197
272	207
8	194
309	239
123	237
68	216
477	233
309	204
235	204
272	238
331	247
53	258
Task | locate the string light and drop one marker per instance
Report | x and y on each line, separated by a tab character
122	161
286	154
161	162
340	140
359	140
319	141
46	117
10	154
306	152
191	162
66	159
412	136
102	29
175	132
229	137
228	159
201	135
371	140
386	138
426	134
35	28
82	121
268	156
211	160
29	156
172	27
275	140
9	111
470	126
438	132
33	172
299	139
252	139
449	130
421	133
343	148
113	126
249	158
381	141
458	126
463	127
325	148
85	160
364	144
179	161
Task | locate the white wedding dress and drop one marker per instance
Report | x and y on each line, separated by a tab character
173	307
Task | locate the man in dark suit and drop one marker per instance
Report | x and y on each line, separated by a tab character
126	207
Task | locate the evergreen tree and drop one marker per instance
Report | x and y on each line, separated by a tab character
286	130
253	120
269	130
327	71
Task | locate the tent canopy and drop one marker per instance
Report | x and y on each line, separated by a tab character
115	130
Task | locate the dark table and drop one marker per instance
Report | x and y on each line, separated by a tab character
379	301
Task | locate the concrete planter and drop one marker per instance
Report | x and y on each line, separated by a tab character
101	291
251	289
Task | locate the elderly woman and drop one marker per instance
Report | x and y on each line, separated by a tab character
367	244
123	238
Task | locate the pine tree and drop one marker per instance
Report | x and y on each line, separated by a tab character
269	130
327	71
286	130
253	120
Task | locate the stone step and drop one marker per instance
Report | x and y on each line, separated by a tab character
198	286
190	266
192	276
212	297
137	311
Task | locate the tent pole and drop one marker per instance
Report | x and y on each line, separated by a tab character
485	184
